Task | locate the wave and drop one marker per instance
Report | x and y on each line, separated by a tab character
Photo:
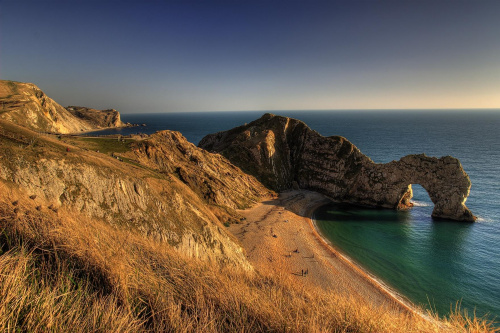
484	219
417	203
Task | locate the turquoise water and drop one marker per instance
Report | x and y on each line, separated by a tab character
433	263
430	262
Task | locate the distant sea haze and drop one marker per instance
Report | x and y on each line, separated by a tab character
425	260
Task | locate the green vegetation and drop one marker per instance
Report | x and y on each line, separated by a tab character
103	145
108	146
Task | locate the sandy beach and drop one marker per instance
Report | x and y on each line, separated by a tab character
280	236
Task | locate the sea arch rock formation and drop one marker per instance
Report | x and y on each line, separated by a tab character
284	153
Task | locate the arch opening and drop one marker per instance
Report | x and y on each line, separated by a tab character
420	197
414	195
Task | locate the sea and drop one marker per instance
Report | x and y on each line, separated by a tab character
438	265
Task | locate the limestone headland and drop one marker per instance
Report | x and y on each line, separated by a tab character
98	118
26	105
284	153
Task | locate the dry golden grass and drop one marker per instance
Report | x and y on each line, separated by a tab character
60	303
63	272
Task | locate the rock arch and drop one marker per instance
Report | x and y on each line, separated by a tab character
444	179
336	168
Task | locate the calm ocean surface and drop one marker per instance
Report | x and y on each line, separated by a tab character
432	263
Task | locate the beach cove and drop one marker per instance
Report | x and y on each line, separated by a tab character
280	236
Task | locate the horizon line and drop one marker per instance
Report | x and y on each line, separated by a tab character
278	110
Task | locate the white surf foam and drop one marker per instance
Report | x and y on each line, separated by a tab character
417	203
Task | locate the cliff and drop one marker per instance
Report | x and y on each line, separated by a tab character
284	153
131	196
26	105
97	118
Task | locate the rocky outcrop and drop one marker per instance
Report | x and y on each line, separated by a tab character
97	118
284	153
157	205
26	105
211	176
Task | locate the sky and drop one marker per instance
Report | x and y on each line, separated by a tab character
171	56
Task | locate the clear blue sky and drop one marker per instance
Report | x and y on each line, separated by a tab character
160	56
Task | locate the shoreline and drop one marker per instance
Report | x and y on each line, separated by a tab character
281	235
397	297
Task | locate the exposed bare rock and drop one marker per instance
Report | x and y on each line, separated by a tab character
97	118
155	204
26	105
282	152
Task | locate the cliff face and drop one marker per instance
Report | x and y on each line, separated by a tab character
97	118
157	205
283	153
26	105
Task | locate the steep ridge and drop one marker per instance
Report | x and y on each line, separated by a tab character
26	105
284	153
211	176
158	205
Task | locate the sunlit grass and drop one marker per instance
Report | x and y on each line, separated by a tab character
63	272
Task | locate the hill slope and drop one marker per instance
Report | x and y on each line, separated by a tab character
211	176
26	105
159	205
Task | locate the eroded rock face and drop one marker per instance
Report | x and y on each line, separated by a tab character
26	105
97	118
282	152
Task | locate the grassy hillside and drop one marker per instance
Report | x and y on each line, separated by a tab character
159	205
65	272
